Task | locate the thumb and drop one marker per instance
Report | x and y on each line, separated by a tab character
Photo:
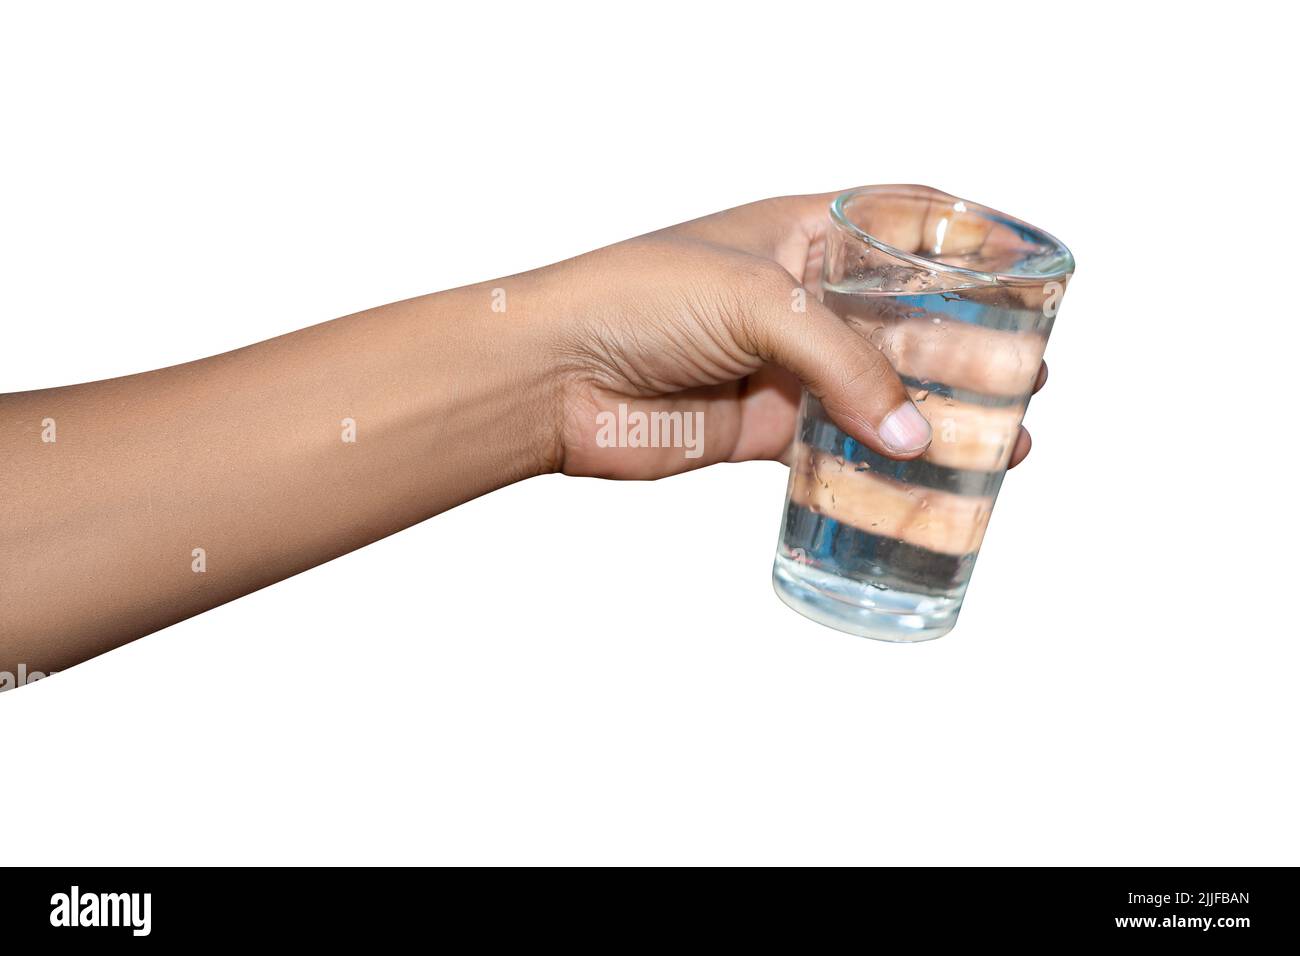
850	377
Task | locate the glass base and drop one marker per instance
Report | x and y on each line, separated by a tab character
860	609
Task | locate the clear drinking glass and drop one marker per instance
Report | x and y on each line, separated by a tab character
961	299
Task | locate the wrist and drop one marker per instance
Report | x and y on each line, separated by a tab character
507	334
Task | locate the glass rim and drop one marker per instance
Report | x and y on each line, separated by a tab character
840	219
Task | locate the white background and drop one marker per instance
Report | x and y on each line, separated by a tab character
625	687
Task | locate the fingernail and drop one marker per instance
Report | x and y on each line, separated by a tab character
905	429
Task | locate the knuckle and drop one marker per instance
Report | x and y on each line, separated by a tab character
767	278
755	285
870	370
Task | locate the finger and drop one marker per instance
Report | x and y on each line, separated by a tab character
759	228
969	435
930	518
1024	442
937	346
787	230
854	382
769	403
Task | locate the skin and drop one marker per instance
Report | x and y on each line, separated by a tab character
242	454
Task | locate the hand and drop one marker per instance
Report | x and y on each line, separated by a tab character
702	321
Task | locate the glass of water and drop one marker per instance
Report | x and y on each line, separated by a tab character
960	298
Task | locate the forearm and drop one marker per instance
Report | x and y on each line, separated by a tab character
270	459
